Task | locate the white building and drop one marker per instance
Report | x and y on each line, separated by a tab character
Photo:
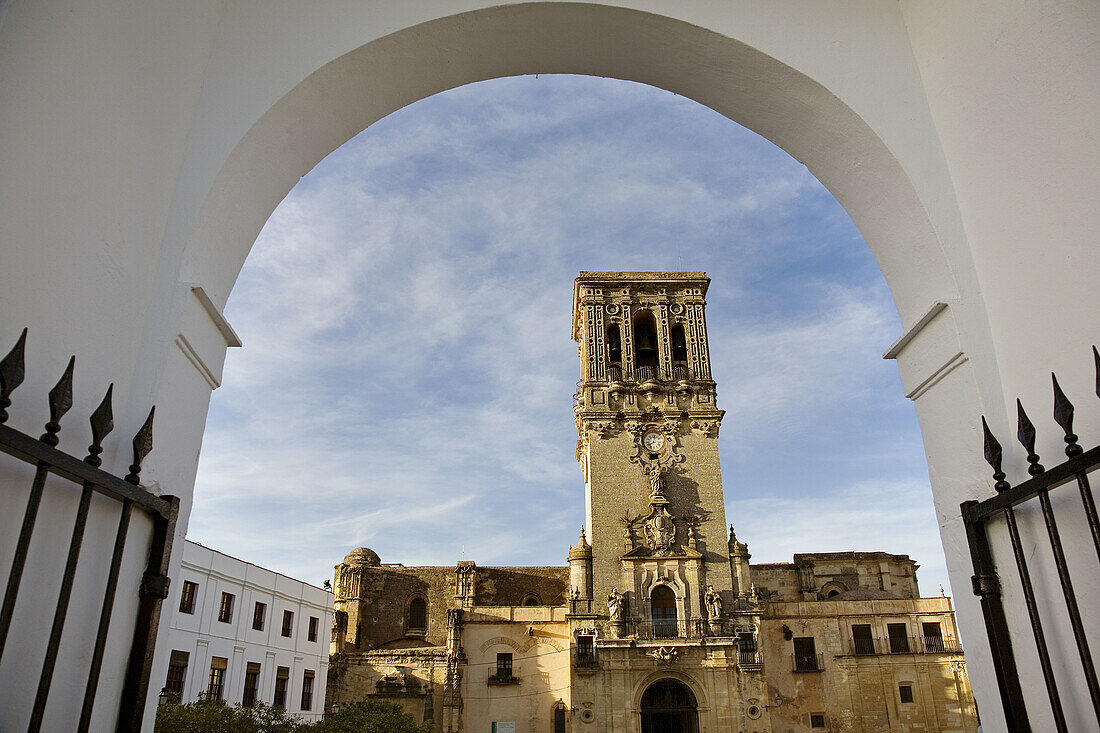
243	633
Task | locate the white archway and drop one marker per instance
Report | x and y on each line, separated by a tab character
142	164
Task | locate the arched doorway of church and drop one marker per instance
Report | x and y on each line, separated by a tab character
668	706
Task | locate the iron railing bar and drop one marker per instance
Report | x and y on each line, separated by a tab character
987	587
1090	509
1071	603
1060	474
154	589
105	617
1036	621
61	611
15	575
21	445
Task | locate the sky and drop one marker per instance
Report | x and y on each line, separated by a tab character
407	375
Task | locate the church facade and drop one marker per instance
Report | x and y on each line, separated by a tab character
658	622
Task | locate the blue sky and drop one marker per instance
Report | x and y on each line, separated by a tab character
407	376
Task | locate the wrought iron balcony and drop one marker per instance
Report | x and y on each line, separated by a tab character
502	677
645	373
807	662
669	629
585	657
900	645
905	645
749	660
940	645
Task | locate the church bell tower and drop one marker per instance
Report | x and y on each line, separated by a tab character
647	423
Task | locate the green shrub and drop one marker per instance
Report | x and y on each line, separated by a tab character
371	716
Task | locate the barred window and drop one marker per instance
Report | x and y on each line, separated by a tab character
282	677
225	611
216	687
307	690
288	623
177	672
187	596
251	683
258	616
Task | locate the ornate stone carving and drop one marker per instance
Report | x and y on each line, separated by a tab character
707	426
664	654
659	530
603	428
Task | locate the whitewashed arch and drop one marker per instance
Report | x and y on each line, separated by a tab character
141	150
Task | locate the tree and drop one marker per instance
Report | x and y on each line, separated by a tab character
215	716
371	716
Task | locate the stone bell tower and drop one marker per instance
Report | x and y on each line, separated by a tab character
647	422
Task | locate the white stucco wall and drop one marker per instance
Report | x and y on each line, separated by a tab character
203	636
142	147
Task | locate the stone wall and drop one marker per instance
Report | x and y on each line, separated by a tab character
816	575
860	692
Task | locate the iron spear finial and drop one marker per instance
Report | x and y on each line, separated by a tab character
11	374
993	455
61	399
1026	434
103	422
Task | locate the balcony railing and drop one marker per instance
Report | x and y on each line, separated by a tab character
643	373
668	629
808	662
585	658
680	372
502	677
899	645
614	373
749	659
905	645
940	645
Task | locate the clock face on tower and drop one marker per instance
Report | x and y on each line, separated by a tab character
653	442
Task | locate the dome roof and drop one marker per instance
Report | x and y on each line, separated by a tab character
363	556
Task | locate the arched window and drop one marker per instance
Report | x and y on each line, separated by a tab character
679	344
531	600
645	344
614	342
418	615
663	605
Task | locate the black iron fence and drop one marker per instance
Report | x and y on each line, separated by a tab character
44	455
987	584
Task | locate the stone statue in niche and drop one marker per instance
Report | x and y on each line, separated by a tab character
714	602
615	605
